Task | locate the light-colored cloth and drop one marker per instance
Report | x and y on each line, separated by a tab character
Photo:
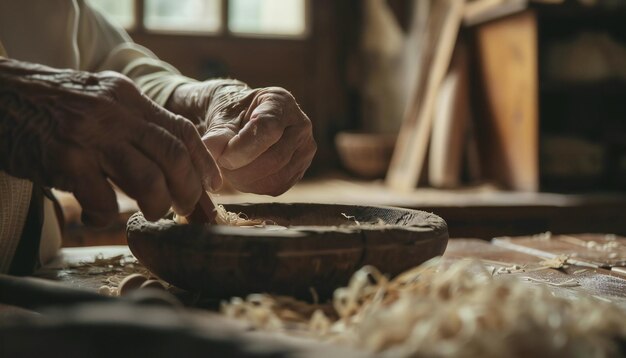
14	202
68	34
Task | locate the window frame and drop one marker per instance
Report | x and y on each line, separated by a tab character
138	26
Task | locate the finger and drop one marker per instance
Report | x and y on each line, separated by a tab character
185	131
77	172
172	157
97	199
201	157
139	178
276	157
263	130
217	137
277	183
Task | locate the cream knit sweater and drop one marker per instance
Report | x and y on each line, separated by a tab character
67	34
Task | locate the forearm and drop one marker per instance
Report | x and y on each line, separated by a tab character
104	46
202	101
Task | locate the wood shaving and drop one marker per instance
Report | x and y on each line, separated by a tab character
351	217
225	217
567	283
461	311
507	270
543	236
611	244
556	262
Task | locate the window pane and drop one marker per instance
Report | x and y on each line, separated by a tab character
267	17
183	15
120	12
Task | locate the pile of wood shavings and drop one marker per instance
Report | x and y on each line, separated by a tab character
225	217
461	311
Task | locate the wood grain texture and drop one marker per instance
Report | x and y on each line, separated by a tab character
507	51
321	247
593	250
409	155
588	281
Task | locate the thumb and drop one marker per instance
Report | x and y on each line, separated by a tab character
219	134
216	140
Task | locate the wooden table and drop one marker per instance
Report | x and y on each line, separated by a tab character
593	264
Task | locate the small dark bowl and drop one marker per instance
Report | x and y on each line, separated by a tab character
320	248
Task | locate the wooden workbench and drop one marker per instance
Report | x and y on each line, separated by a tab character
593	265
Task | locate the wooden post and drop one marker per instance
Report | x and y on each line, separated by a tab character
508	119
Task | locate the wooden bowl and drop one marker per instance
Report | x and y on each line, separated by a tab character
320	248
366	155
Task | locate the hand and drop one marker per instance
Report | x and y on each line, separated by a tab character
75	131
260	138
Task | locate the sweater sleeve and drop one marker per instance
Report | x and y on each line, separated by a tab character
104	46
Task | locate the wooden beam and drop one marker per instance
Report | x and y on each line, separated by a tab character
409	155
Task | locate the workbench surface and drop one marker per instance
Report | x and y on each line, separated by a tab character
592	263
569	266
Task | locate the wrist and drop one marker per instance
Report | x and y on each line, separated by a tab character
201	101
183	101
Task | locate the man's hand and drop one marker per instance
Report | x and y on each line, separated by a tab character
260	138
76	131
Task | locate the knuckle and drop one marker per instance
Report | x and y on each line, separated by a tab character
116	78
280	92
268	125
118	85
306	122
